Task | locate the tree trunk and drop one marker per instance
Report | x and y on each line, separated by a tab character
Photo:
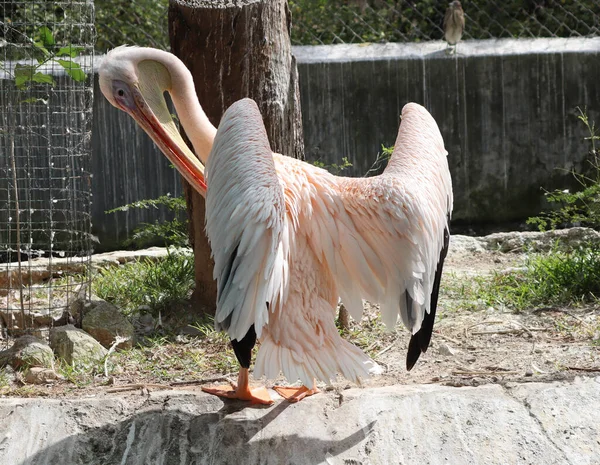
236	49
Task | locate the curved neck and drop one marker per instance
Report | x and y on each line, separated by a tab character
194	121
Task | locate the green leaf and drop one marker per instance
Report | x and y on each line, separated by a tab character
45	36
23	74
70	51
35	100
73	69
43	78
41	48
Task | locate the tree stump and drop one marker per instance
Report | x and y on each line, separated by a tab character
236	49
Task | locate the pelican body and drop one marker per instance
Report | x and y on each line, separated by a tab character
289	239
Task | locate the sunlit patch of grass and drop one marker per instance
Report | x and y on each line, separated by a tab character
28	390
169	358
79	374
158	284
566	278
459	293
369	334
556	278
5	379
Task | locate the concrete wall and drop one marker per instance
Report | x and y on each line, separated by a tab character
506	109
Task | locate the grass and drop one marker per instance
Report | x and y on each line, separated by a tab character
370	333
166	358
560	278
158	284
79	374
557	278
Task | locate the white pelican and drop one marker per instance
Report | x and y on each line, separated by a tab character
289	238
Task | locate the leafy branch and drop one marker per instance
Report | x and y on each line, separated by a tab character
173	232
583	206
46	51
334	168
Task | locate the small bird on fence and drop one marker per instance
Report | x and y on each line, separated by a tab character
454	24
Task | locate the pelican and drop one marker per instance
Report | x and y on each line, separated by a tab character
289	239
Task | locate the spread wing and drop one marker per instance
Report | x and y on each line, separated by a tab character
387	236
245	222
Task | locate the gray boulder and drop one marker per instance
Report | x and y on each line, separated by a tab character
76	346
28	351
105	322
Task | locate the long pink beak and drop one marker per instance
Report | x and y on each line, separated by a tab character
179	154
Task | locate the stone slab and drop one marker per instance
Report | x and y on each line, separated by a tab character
427	424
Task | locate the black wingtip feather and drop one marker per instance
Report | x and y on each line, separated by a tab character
419	342
243	348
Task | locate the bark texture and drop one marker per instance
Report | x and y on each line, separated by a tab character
236	49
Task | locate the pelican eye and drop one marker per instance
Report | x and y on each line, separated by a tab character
121	92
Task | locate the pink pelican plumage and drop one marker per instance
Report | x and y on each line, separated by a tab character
289	239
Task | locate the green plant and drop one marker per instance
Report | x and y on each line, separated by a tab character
581	207
381	161
80	374
171	232
334	168
45	50
4	379
556	278
158	284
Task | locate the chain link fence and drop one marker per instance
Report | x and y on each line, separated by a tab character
46	59
318	22
358	21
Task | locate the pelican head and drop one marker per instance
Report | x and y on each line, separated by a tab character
134	80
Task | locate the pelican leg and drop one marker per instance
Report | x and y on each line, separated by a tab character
242	391
296	394
243	352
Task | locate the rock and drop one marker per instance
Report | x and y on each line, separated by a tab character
539	241
444	349
120	257
11	278
14	319
78	300
466	244
39	375
189	330
105	322
28	351
397	424
144	324
76	346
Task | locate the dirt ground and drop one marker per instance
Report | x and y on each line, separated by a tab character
468	348
493	345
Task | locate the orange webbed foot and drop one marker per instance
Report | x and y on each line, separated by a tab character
242	391
295	394
256	396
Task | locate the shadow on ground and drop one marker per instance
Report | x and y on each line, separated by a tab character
162	435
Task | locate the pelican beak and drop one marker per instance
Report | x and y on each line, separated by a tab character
154	117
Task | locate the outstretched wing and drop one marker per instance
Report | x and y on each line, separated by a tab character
245	222
390	232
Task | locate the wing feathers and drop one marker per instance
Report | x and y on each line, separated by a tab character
245	216
419	342
387	234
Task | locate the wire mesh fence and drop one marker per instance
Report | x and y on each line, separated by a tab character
357	21
46	57
317	22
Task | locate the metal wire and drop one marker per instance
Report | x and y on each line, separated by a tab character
46	58
318	22
358	21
